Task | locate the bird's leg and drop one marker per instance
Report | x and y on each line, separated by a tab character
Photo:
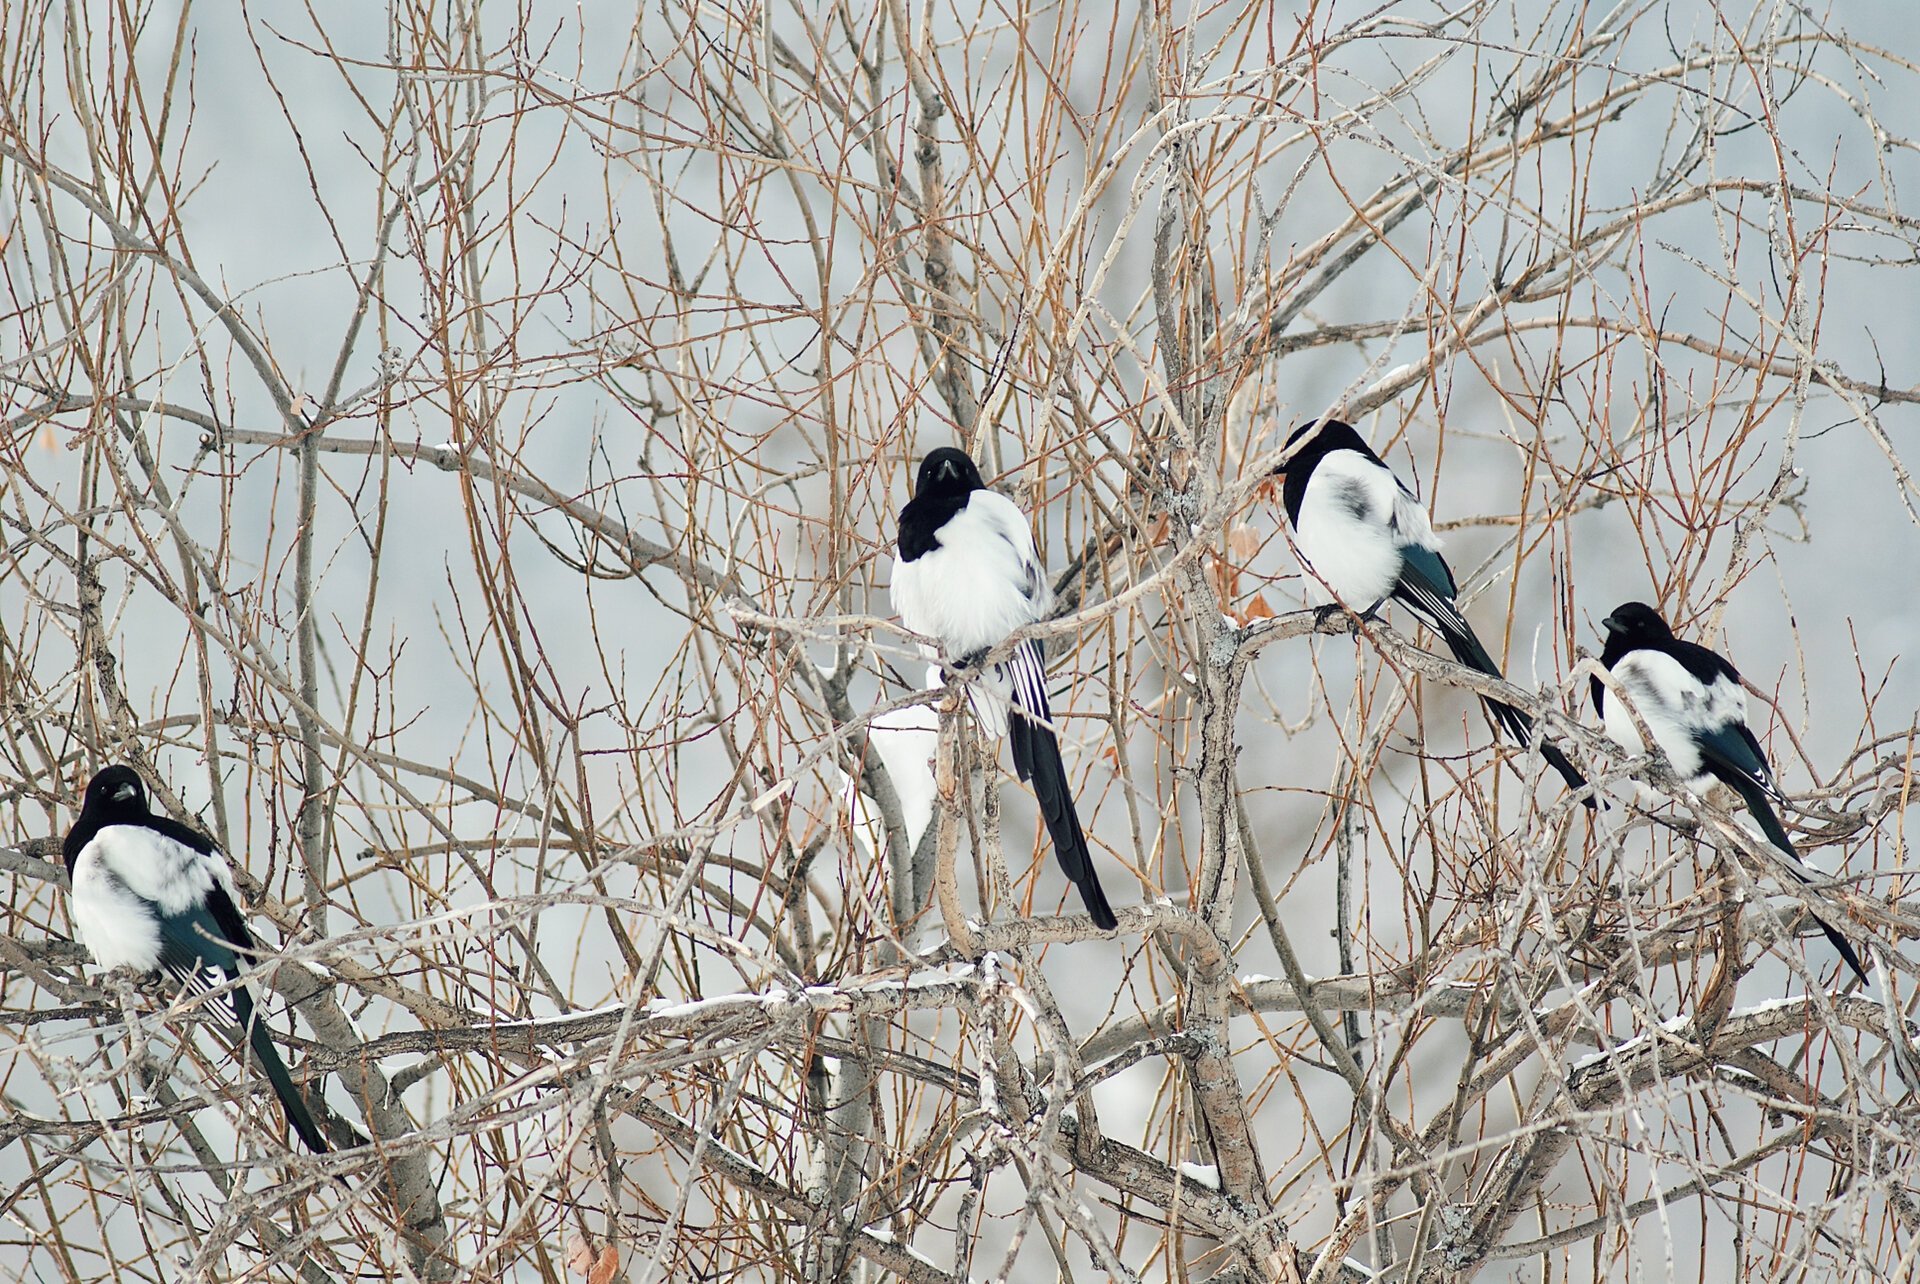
125	981
156	985
1326	614
962	669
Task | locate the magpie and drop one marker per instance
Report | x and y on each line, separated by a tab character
152	894
1690	699
1366	537
968	574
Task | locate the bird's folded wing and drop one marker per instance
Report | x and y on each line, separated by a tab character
191	947
1427	587
1731	753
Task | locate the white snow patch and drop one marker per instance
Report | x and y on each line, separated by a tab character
772	795
887	1237
607	1009
1673	1025
1207	1175
660	1010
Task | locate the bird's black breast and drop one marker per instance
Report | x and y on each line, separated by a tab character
83	832
921	520
1612	653
1327	436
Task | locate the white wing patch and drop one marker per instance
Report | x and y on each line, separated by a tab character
1675	706
1410	521
1354	517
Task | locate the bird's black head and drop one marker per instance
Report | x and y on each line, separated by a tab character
1631	627
947	471
117	791
115	796
1636	624
1315	438
1311	442
946	486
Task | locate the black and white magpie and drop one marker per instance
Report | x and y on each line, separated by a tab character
968	574
1367	539
1690	699
152	894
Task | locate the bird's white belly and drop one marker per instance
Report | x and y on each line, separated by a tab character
1356	560
1670	730
117	928
965	592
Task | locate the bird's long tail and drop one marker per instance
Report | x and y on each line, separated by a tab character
1762	808
276	1071
1466	648
1036	757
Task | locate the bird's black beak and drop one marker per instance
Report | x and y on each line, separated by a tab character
949	471
124	792
1613	626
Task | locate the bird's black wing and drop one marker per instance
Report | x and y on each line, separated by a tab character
193	942
1732	754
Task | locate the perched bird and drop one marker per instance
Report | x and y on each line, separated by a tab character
968	574
152	894
1366	537
1690	699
